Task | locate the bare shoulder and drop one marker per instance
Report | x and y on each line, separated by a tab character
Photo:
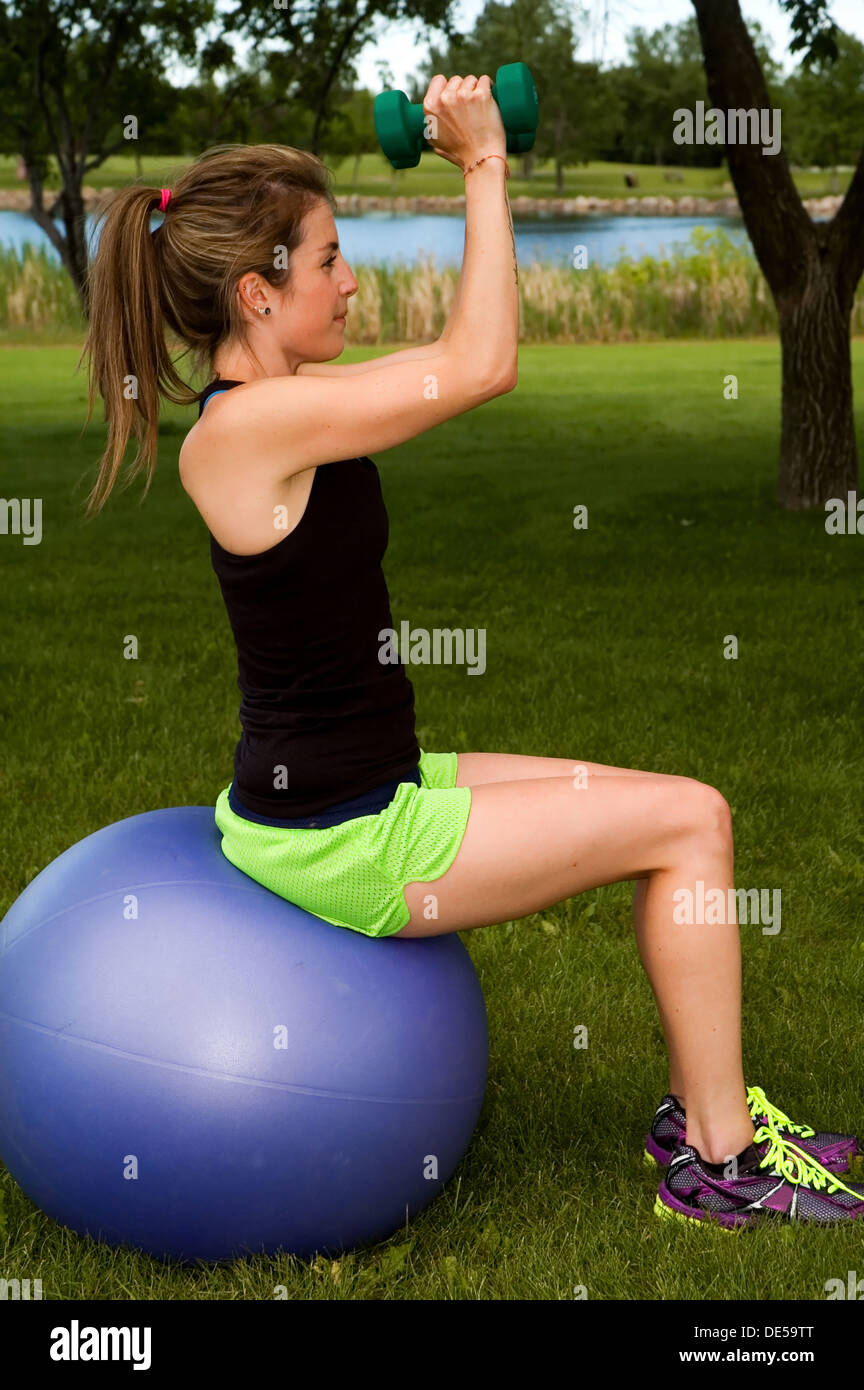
239	417
221	472
224	434
221	412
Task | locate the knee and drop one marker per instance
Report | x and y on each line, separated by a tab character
708	814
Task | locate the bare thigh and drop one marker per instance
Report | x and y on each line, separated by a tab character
476	768
533	841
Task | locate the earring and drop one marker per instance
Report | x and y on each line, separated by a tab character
264	311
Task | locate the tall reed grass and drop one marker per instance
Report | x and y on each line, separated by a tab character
713	290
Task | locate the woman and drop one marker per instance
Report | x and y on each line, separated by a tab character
333	804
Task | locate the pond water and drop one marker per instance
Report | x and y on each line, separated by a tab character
402	237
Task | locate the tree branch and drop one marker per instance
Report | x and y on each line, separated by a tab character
845	237
110	53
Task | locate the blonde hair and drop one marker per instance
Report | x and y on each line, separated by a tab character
228	214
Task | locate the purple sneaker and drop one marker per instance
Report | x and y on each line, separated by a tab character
669	1129
776	1180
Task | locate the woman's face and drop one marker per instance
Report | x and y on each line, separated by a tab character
304	323
314	310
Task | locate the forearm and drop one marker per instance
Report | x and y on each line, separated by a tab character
371	364
406	355
484	319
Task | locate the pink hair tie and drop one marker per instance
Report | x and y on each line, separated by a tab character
163	202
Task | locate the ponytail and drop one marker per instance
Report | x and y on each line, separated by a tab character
130	364
229	213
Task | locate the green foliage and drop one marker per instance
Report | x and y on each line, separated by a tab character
825	114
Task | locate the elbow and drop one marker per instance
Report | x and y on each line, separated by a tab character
501	377
490	385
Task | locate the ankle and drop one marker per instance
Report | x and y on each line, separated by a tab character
719	1144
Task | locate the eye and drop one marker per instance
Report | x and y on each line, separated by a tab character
331	260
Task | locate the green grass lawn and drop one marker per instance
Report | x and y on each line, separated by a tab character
434	176
604	644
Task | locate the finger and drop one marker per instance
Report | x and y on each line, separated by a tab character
435	88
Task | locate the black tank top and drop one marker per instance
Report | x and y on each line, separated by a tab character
327	726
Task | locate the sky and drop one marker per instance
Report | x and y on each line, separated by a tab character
400	47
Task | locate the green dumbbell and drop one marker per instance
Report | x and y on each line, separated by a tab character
399	123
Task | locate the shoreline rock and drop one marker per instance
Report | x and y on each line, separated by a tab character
652	205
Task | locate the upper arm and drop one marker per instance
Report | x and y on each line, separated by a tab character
289	423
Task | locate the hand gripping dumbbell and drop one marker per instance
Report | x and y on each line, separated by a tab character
399	123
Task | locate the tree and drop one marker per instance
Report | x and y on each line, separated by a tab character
823	115
358	134
577	108
811	268
217	112
318	41
79	81
664	72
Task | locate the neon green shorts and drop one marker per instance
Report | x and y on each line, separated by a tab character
353	875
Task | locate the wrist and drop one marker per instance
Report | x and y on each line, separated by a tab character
490	160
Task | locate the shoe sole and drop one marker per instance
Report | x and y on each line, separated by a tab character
665	1212
669	1214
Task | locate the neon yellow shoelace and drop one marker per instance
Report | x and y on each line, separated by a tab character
759	1104
788	1161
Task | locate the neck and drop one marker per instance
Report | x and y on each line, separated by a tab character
233	363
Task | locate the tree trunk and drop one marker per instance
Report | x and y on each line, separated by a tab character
812	270
74	216
71	247
818	457
560	127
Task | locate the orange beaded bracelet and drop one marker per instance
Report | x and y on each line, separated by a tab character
487	156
